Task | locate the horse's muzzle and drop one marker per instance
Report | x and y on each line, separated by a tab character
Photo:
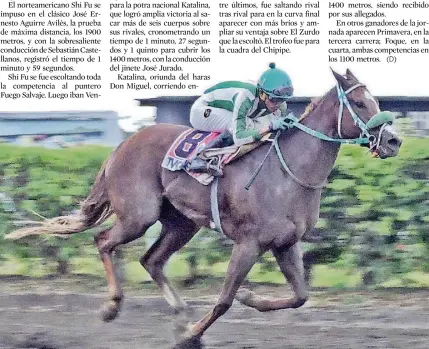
389	144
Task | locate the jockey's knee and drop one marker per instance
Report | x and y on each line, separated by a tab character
227	138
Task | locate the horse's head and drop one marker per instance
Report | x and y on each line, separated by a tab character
359	115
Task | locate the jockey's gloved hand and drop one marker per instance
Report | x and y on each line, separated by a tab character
280	123
290	113
287	112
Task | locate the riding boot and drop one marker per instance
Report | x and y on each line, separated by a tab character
199	165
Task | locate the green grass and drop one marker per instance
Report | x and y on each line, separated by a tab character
422	279
411	279
30	267
136	274
323	276
13	267
88	266
255	275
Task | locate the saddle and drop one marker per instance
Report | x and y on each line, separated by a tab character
190	144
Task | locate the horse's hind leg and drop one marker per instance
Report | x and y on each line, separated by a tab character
292	267
244	256
124	231
176	232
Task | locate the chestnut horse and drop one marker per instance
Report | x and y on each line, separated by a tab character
277	211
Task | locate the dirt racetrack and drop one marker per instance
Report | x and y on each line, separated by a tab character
43	317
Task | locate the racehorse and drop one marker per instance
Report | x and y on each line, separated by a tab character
277	211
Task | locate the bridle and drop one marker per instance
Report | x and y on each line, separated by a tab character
382	119
379	119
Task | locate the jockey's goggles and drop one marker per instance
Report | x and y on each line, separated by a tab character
279	94
276	100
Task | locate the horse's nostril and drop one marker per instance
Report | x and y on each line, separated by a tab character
394	142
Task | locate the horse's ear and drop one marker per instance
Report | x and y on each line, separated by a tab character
340	79
350	74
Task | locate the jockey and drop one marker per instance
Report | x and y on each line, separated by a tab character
230	107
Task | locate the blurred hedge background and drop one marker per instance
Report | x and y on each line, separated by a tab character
373	228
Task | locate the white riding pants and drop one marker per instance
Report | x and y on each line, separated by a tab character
206	118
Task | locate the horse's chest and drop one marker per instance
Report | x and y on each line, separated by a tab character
293	201
291	217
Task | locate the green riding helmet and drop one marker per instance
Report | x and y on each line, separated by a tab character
276	83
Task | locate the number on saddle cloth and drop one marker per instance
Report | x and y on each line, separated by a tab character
190	143
185	147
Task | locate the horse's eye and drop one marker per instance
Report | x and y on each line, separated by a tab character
360	104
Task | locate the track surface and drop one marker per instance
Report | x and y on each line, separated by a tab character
47	320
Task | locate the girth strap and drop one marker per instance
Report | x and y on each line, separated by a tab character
215	205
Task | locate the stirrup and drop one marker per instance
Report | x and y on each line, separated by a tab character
201	166
213	167
214	170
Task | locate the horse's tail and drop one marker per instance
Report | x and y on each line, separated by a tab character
94	210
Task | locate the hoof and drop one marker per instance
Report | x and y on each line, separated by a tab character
182	327
190	343
183	322
109	311
244	295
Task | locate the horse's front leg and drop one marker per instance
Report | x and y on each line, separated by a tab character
292	267
244	256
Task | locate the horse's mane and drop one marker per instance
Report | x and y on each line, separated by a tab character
310	107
